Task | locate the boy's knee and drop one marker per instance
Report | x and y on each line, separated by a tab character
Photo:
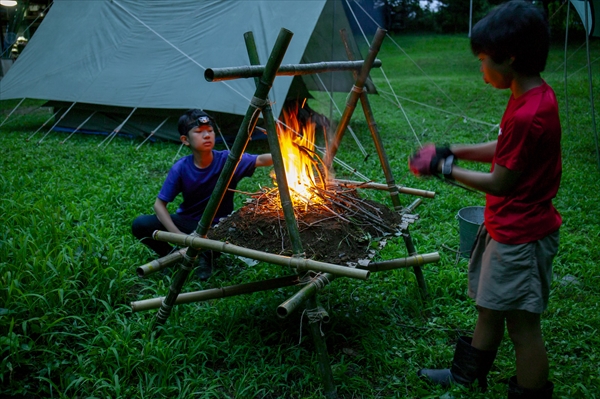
523	327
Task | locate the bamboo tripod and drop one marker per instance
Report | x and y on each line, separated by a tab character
313	275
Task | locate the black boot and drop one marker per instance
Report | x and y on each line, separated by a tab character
469	364
517	392
205	265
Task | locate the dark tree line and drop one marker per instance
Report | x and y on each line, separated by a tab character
452	16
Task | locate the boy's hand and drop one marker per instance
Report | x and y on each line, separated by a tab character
425	162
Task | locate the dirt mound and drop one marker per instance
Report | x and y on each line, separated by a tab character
326	234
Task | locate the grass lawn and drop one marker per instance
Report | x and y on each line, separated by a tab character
68	259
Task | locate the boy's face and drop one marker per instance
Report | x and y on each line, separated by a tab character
200	138
500	75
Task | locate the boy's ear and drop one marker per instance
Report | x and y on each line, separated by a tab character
184	140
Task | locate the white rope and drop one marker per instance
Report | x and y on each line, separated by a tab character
41	127
382	71
402	109
439	109
173	46
360	146
28	26
404	52
79	127
117	129
152	133
176	157
57	122
11	112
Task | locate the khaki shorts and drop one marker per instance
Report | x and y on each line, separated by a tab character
511	277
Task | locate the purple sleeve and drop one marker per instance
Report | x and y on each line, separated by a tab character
172	185
246	166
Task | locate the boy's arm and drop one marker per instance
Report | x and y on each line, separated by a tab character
500	182
263	160
475	152
160	207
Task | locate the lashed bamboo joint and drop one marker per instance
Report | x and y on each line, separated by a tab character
299	264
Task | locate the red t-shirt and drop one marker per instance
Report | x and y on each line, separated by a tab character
528	142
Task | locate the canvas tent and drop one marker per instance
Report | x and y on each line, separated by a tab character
113	57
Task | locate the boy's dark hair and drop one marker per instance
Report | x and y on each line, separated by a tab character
193	118
514	29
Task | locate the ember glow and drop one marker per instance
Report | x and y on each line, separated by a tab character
299	158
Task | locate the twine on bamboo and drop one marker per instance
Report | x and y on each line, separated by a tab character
259	102
357	89
314	316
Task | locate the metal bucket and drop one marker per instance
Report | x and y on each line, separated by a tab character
469	220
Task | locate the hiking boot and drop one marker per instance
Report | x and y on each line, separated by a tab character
517	392
469	364
204	269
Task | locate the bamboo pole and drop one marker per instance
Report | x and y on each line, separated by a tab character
159	264
239	145
411	261
256	70
216	293
383	158
308	291
282	183
301	264
383	187
322	355
353	97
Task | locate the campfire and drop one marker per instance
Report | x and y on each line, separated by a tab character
336	225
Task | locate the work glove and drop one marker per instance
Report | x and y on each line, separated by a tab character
425	161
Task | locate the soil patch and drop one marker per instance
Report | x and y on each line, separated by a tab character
327	234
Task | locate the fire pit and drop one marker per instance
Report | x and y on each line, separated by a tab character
336	225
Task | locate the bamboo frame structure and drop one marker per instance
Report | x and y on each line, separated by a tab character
366	106
312	275
301	264
255	70
383	187
239	145
353	97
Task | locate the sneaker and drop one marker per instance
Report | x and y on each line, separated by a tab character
204	269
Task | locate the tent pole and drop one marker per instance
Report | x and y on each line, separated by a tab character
589	64
11	112
565	66
78	127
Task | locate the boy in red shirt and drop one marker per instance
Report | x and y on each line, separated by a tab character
510	271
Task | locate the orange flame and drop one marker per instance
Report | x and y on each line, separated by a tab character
299	158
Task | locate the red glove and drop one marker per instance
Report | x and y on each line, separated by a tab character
421	163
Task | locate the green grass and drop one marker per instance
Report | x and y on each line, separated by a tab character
68	259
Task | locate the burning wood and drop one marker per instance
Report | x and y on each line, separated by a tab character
335	223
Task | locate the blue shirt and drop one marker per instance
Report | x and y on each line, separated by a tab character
196	185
